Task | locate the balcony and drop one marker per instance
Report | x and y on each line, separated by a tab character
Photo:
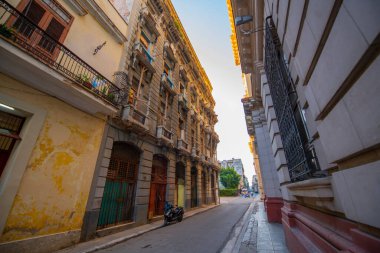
215	136
182	99
214	162
135	119
164	136
195	153
208	128
143	56
203	158
29	55
168	83
182	145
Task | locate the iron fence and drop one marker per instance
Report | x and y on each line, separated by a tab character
299	151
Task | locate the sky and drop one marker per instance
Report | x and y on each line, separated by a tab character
207	25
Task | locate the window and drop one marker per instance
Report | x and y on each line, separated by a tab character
10	127
49	16
145	41
167	70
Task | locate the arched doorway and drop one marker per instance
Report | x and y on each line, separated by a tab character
204	187
194	190
180	184
213	189
119	190
158	186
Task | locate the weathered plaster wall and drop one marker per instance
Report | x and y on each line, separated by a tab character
86	34
54	189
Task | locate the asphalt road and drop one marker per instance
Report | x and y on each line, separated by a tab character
203	233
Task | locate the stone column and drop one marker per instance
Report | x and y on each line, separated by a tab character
271	184
256	162
217	187
170	188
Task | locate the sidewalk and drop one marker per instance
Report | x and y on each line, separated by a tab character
110	240
255	234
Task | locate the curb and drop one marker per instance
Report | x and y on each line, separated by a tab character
235	234
127	237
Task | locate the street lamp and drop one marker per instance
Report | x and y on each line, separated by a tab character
241	20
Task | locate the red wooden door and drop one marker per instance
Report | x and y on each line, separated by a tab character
157	187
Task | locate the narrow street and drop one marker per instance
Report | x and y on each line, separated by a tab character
205	232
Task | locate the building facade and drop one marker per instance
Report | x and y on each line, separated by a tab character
56	98
106	113
311	73
166	124
237	165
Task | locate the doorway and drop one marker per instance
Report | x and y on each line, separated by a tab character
158	186
180	184
204	201
213	190
119	190
194	186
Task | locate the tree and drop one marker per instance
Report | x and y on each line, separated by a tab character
229	178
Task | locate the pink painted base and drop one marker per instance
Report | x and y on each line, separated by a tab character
273	209
308	230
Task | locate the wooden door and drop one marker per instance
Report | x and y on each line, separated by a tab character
213	189
119	191
194	190
204	201
180	184
157	187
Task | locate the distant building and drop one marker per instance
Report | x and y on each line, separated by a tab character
238	166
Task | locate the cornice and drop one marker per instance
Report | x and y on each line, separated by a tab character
93	8
75	5
204	78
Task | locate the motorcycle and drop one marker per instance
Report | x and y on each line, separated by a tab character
172	213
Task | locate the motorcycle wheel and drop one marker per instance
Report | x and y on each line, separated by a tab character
166	222
180	218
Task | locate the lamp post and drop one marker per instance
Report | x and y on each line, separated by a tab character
241	20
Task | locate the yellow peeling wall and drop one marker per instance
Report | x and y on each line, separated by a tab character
54	189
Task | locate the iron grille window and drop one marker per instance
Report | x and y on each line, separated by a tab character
299	152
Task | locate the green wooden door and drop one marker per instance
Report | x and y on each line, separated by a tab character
119	190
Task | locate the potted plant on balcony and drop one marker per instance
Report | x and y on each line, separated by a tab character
104	91
84	80
98	84
111	97
6	31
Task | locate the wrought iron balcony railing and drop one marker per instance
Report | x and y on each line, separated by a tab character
21	32
164	134
299	152
167	79
182	144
